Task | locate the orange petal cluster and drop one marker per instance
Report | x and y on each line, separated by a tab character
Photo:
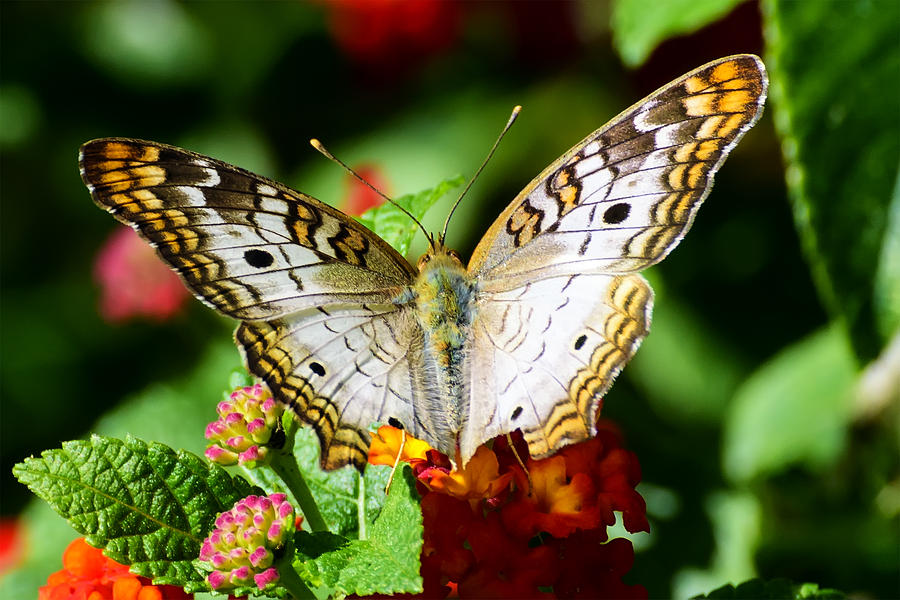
494	529
88	575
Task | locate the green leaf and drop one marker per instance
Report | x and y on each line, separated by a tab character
795	408
775	589
148	505
387	562
637	30
395	227
887	279
834	87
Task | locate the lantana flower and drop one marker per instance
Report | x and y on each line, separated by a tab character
244	427
494	529
389	441
479	479
243	546
88	575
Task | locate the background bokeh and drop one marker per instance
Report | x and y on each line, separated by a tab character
763	406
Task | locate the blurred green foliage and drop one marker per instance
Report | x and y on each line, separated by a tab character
765	434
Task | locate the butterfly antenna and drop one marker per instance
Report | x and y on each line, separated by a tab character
512	119
318	146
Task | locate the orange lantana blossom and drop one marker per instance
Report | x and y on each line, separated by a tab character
494	529
88	575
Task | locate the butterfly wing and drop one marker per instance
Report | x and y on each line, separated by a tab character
341	368
318	293
622	198
568	247
245	245
547	352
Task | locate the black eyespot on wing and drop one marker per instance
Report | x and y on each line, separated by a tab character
395	423
580	342
616	213
258	258
516	413
317	369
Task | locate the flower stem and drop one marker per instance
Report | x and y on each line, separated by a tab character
285	465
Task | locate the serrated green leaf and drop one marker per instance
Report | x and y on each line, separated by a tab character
148	505
795	408
387	562
637	30
833	68
395	227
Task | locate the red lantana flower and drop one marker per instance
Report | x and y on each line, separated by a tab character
494	529
88	575
134	282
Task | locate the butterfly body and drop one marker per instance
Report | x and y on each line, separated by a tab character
445	307
529	335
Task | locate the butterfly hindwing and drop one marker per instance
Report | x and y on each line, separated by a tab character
247	246
341	368
547	352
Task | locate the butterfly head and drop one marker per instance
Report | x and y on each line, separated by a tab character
438	254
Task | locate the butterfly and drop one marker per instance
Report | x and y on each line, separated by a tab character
529	335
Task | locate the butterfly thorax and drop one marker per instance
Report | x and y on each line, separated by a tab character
444	301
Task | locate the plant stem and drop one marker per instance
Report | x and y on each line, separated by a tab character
288	577
361	507
285	465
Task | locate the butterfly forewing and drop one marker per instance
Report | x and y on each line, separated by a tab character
245	245
623	197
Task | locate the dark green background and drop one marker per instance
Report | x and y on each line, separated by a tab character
742	406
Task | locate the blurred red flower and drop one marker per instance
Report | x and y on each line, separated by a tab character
10	543
88	575
393	33
134	282
360	197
